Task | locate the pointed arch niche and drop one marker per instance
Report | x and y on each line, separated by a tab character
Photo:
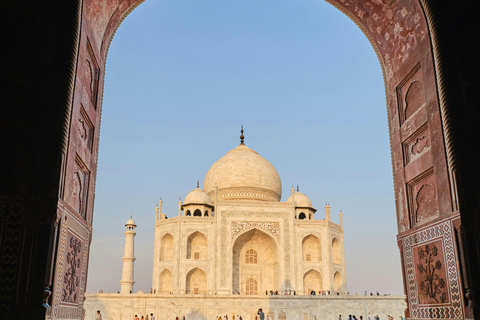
312	280
311	248
165	282
196	282
166	248
197	246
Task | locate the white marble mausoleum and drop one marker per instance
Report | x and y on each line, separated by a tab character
232	242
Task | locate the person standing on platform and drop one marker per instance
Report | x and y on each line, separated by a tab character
261	314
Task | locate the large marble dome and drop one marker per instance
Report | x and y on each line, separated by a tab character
242	174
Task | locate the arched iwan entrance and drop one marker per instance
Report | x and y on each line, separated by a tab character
254	263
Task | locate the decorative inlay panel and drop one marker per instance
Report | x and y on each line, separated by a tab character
272	228
422	196
431	268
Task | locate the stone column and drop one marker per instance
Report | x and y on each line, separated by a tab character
126	284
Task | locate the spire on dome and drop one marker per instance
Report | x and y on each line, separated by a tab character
241	135
198	184
298	189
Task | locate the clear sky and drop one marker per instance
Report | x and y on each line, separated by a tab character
183	76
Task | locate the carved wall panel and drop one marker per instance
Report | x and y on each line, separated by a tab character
423	202
418	144
411	95
92	75
79	187
431	274
73	266
433	282
70	270
85	130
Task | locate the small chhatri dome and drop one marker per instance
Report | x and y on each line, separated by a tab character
197	196
242	174
300	200
130	222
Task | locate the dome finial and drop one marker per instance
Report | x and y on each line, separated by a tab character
298	189
198	184
241	135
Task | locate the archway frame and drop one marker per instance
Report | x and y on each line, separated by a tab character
439	108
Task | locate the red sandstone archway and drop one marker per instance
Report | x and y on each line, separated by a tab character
403	36
399	35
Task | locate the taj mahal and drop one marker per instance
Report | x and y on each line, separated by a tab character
232	244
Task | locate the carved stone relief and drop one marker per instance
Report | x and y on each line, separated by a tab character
71	278
71	265
395	30
79	186
423	202
239	227
92	74
431	274
431	268
85	130
411	95
417	145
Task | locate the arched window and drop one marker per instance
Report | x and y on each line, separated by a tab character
188	213
206	213
251	256
302	216
310	216
251	287
197	213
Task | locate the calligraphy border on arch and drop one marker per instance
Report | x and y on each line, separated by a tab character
239	227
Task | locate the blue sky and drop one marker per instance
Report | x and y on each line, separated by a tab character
183	76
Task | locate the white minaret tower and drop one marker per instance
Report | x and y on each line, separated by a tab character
126	284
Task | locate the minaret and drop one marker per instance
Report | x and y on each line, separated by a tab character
126	284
